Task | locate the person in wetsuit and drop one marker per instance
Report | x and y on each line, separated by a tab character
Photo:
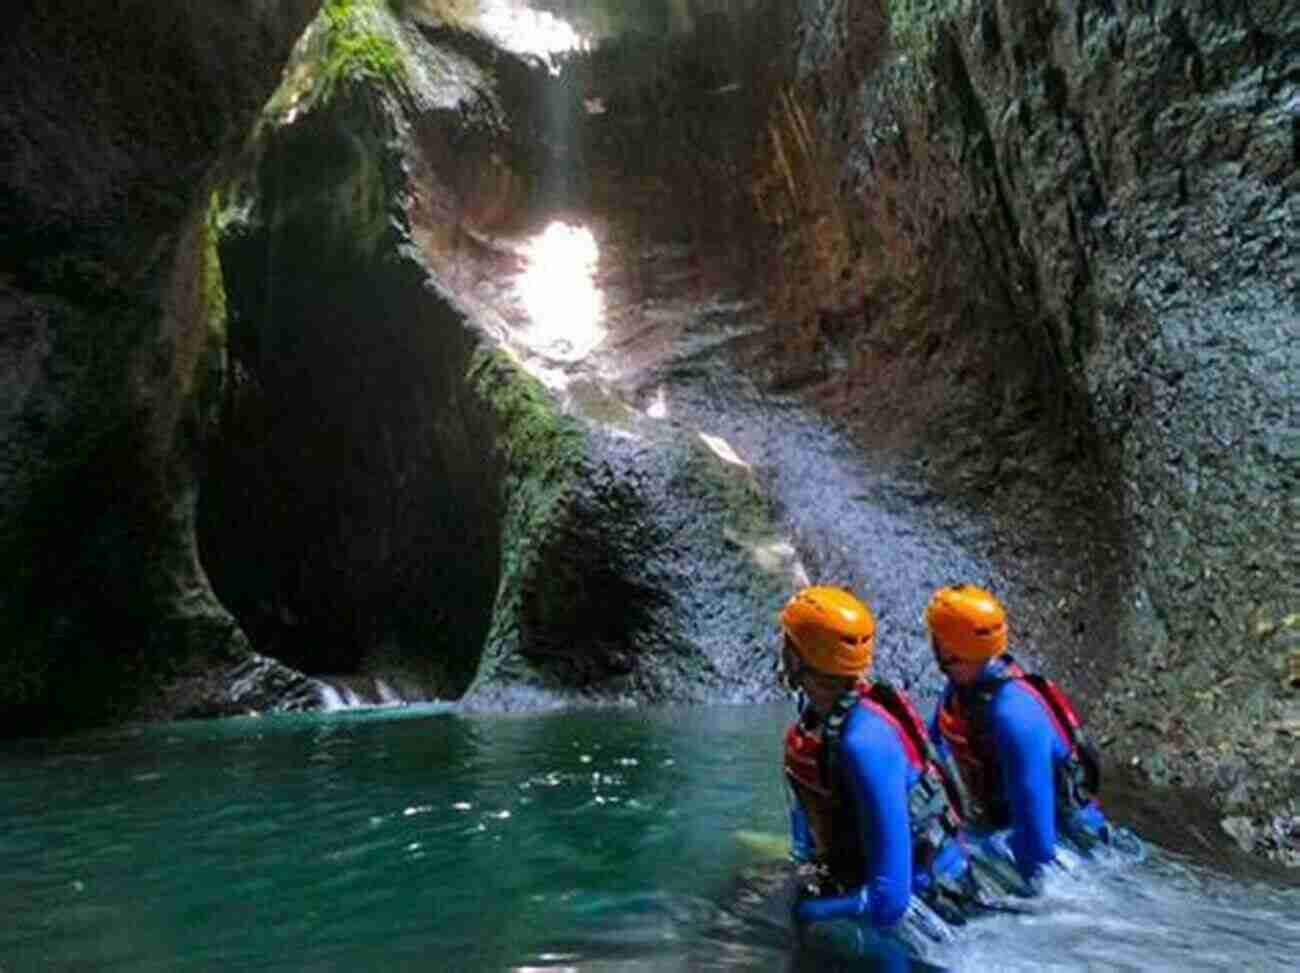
871	809
1029	769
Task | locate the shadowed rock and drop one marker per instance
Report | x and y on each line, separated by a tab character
110	130
392	492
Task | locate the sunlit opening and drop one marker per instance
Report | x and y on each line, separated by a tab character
559	292
519	28
723	450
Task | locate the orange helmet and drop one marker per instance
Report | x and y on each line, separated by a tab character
968	622
832	630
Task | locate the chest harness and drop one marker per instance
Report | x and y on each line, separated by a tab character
935	803
966	724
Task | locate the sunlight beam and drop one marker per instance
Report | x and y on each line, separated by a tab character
559	292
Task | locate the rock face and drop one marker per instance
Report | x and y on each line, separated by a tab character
1031	262
329	485
391	491
109	132
1057	244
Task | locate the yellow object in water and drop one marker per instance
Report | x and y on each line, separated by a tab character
766	845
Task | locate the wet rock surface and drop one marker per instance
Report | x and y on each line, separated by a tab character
248	685
392	492
1003	293
110	129
1066	266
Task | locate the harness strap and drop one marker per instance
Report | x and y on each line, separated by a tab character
1086	761
935	816
1080	780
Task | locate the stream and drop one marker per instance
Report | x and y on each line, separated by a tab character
418	838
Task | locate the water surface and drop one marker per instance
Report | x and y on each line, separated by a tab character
421	839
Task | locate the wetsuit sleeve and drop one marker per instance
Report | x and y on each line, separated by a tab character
1028	747
803	847
875	772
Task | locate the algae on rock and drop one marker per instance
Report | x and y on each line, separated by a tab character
1100	346
433	507
107	318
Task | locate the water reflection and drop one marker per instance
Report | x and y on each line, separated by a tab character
646	840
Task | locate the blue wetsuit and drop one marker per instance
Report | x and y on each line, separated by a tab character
1030	751
874	779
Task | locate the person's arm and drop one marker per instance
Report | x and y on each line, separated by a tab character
1028	746
875	771
803	847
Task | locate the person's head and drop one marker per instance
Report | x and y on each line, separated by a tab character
829	638
968	627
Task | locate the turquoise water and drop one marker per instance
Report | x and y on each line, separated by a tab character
419	839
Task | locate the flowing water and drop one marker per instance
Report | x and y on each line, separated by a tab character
421	839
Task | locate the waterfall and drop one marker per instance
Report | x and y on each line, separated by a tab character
353	692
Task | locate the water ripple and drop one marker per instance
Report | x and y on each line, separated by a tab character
490	844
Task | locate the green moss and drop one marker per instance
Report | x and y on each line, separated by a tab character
914	25
352	58
350	42
597	402
536	438
213	284
360	43
212	366
543	453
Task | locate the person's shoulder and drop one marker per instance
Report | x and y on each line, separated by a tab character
1015	702
871	730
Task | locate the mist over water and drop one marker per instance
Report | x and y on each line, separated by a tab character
419	839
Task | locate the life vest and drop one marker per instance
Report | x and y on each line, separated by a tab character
965	722
936	802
